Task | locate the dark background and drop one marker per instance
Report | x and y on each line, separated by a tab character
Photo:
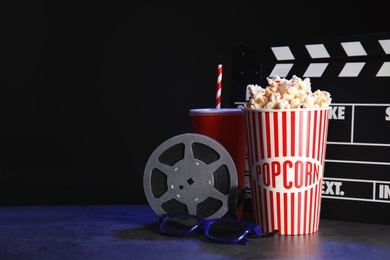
90	89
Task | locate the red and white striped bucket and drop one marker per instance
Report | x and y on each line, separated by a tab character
286	153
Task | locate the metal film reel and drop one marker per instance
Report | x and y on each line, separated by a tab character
190	174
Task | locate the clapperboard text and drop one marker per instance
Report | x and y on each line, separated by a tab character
354	115
338	113
338	188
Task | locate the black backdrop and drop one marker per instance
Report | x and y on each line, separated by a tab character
90	89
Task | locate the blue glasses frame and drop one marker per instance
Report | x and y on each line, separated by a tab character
221	230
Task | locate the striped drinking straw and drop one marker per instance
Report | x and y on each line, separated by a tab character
219	86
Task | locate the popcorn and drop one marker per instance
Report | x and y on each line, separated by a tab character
282	93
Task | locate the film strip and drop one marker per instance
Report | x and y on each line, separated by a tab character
355	69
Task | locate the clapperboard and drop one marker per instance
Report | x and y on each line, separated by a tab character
355	69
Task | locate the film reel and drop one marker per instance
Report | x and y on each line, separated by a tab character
190	174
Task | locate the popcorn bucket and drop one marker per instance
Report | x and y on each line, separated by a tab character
286	154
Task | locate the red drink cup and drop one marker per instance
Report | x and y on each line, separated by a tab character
286	154
227	127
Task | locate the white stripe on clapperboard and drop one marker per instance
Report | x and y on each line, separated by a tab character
317	51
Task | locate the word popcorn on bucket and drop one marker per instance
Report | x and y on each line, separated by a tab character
287	127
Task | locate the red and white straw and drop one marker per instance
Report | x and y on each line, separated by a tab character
219	86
